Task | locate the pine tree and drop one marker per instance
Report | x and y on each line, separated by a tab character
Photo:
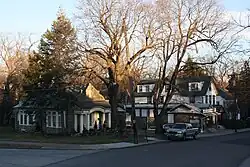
190	69
56	60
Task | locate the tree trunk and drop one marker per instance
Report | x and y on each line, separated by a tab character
113	94
158	121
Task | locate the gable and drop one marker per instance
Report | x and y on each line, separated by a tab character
193	86
93	93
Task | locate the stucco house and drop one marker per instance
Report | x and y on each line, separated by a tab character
68	112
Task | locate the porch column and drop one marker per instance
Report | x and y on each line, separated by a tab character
88	121
109	120
75	122
81	123
103	117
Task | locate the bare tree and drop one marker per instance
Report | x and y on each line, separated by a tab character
188	26
116	34
13	54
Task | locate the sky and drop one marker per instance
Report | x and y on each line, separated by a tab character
35	16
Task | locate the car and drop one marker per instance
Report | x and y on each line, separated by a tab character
167	126
182	131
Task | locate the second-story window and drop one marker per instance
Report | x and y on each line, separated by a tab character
213	99
147	88
210	99
192	99
161	100
149	101
140	88
166	88
206	100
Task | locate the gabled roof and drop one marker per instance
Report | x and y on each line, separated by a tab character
60	100
183	85
190	109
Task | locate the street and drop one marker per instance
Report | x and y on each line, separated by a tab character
221	151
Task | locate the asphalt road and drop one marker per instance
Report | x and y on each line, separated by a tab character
223	151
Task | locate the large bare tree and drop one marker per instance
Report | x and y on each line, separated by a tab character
188	26
14	52
116	34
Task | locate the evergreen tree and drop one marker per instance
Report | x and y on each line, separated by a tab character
56	60
191	69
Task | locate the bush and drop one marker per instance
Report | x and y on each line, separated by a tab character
231	124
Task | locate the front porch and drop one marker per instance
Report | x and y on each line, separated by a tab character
86	119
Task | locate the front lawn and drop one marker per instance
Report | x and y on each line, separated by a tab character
9	134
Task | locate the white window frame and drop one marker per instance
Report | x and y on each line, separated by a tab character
54	119
21	119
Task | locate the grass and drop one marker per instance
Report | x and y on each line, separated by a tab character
10	135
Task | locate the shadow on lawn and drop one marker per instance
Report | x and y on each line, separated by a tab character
8	134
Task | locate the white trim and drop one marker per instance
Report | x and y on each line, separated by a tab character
21	118
96	109
49	119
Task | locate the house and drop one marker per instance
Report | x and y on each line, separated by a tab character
69	111
204	93
201	92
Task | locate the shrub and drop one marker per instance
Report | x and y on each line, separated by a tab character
231	124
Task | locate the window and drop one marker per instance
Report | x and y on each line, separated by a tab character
194	87
23	118
202	99
192	99
213	99
140	88
209	88
161	100
206	99
166	88
137	113
54	120
144	113
149	101
210	99
147	88
217	102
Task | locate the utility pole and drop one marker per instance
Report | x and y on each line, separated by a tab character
235	115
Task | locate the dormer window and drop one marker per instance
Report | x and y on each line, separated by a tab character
147	88
195	86
209	88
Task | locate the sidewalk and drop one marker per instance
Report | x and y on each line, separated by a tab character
55	146
223	132
245	163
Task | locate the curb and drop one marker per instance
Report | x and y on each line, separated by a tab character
245	163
